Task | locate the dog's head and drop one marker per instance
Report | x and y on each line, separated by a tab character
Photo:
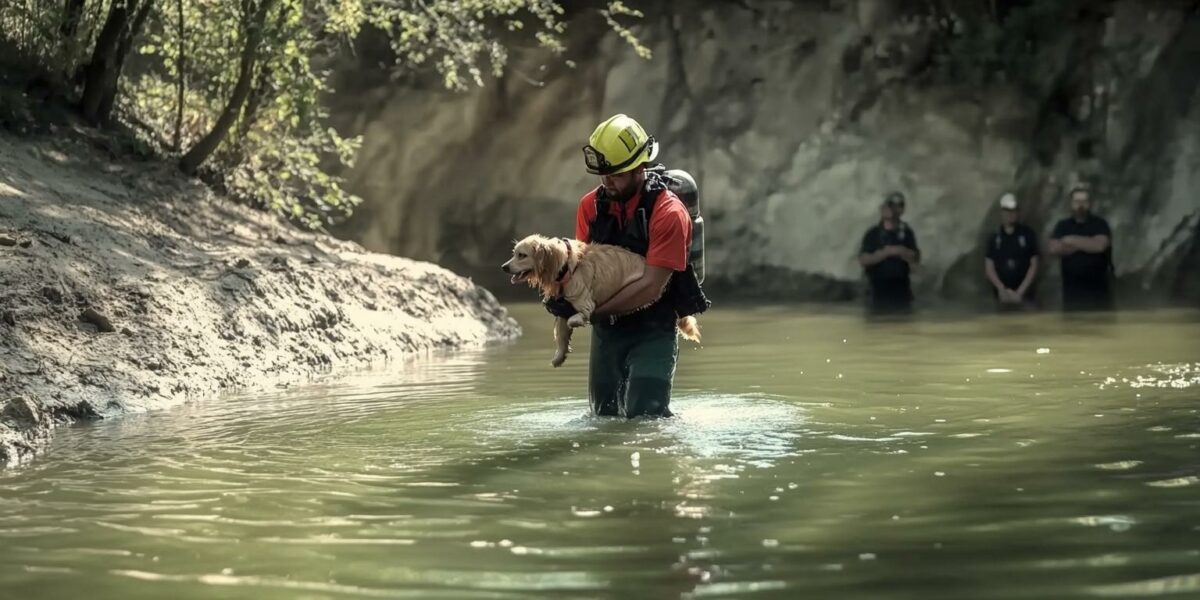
536	260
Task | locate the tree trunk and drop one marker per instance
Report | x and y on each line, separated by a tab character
100	67
108	58
68	29
72	15
250	111
181	71
241	90
123	48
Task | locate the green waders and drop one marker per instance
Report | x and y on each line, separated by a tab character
633	365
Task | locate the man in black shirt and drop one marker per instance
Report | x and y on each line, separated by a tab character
887	252
1012	257
1083	240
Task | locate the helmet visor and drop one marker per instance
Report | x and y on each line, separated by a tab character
598	164
595	161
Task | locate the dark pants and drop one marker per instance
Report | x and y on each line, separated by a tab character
1087	294
890	296
633	366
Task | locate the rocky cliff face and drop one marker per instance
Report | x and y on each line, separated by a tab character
795	119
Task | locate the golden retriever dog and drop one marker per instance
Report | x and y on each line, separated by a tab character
587	275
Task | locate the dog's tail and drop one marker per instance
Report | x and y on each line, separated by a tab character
689	328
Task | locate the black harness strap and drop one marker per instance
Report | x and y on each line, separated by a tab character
562	273
634	234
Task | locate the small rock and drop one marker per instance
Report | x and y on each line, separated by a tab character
7	241
25	243
232	283
62	237
242	263
53	294
279	239
126	332
94	317
10	318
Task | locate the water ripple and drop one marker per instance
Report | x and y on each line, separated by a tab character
1176	584
485	477
300	585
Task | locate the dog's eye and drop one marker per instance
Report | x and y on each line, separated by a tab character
520	255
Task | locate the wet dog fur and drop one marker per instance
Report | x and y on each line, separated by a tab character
596	272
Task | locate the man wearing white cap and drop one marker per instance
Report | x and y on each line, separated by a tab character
1012	257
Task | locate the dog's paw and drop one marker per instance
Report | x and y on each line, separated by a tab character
576	320
558	360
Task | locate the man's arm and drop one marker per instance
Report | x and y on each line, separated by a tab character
639	293
989	268
911	252
1030	275
868	253
1091	244
1058	245
868	259
1060	248
1095	243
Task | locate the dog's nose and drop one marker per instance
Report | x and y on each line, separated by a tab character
504	267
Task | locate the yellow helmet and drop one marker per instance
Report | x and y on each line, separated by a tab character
619	144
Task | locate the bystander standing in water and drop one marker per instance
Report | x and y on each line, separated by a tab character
887	254
1011	263
1084	241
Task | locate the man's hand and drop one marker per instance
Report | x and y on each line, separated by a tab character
1010	296
1060	247
1021	291
869	259
559	307
904	252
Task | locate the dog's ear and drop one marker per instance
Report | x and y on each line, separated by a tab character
547	260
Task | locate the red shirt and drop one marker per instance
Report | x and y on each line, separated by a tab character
670	226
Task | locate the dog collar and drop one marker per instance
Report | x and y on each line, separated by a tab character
563	272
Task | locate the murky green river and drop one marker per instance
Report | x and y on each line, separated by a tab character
815	455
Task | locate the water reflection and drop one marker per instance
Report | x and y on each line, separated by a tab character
1158	375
